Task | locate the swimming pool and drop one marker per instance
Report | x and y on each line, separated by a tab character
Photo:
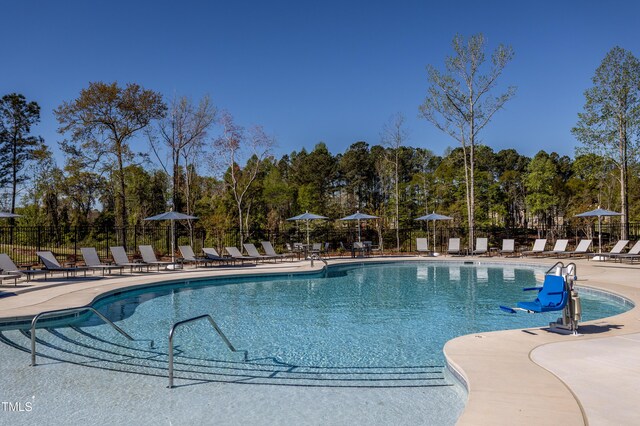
366	326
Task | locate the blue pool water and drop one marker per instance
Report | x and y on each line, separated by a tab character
385	315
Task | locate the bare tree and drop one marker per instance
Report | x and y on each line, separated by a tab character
394	135
458	101
182	134
234	147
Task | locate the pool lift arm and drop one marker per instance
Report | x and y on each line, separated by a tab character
571	310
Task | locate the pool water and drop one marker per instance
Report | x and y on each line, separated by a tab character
385	315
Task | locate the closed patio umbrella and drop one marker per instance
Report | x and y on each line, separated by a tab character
172	216
359	216
434	216
599	213
306	216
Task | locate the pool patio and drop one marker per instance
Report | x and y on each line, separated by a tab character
514	377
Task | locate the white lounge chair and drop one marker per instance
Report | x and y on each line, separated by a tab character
10	270
538	247
269	250
558	249
188	256
616	250
252	251
582	249
454	246
149	257
51	264
482	246
92	261
120	258
508	247
235	253
213	255
422	245
632	254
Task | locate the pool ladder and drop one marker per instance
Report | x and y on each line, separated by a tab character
558	268
194	319
36	318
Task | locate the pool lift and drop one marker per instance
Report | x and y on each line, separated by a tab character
556	294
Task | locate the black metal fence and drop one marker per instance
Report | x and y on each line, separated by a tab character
21	242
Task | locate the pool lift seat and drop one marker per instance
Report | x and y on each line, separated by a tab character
556	294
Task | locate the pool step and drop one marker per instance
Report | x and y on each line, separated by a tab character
81	347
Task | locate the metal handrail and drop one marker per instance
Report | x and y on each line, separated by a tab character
180	323
326	264
554	266
36	318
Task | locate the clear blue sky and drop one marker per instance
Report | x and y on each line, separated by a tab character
318	70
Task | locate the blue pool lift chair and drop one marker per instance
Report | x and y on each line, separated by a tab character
552	296
556	294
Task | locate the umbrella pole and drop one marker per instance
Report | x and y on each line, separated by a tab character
359	236
434	236
307	232
428	236
599	234
173	250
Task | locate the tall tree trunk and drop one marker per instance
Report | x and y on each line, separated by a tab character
123	198
467	181
472	196
624	223
397	204
175	199
14	175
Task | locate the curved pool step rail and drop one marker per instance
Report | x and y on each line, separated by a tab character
58	312
84	348
175	326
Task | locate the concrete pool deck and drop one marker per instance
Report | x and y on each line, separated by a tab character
514	377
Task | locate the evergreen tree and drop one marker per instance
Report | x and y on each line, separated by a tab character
17	146
610	122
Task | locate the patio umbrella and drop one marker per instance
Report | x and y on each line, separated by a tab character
172	216
359	216
434	216
306	216
599	213
7	215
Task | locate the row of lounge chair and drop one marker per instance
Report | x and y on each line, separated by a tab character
508	248
616	252
92	262
539	249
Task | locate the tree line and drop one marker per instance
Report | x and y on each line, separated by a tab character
130	153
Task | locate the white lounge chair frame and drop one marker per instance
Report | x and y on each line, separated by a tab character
508	246
454	246
120	258
482	246
51	264
538	247
92	261
422	246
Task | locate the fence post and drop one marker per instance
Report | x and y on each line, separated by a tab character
75	242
